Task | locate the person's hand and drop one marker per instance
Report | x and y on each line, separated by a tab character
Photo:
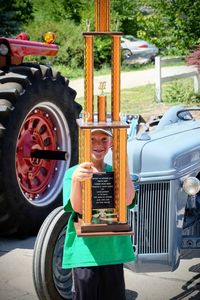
83	172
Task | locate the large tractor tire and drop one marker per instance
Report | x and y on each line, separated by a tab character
50	280
37	111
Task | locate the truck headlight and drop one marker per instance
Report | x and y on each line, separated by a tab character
3	49
191	186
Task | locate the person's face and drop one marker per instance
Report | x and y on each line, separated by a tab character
101	142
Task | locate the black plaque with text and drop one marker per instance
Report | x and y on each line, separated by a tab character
103	190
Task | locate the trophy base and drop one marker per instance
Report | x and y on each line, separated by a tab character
102	229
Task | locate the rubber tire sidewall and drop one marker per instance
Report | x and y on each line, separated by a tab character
43	254
28	216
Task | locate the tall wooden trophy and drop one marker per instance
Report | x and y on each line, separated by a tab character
104	197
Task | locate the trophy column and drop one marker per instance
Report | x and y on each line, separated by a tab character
105	195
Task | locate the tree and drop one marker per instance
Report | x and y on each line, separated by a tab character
171	24
125	12
13	14
59	10
57	16
194	58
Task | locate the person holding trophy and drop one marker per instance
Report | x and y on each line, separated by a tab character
96	261
98	237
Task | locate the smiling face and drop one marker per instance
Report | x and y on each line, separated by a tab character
101	142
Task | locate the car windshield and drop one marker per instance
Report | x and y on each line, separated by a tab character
130	38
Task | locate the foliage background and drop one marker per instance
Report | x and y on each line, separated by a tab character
172	25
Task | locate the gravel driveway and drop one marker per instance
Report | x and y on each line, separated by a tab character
129	79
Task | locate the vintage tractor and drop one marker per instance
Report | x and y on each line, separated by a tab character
37	114
165	167
164	162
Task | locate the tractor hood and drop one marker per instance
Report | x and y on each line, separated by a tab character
168	153
21	48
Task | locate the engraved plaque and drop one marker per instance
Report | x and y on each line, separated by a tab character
103	190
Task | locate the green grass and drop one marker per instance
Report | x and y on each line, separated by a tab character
105	70
69	73
141	100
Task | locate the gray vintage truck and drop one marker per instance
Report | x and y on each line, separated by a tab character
164	161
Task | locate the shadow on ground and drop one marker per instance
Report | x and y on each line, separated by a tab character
8	244
191	289
131	295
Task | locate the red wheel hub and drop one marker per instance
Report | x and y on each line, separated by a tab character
37	132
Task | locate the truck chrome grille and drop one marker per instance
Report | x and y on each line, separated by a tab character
153	218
